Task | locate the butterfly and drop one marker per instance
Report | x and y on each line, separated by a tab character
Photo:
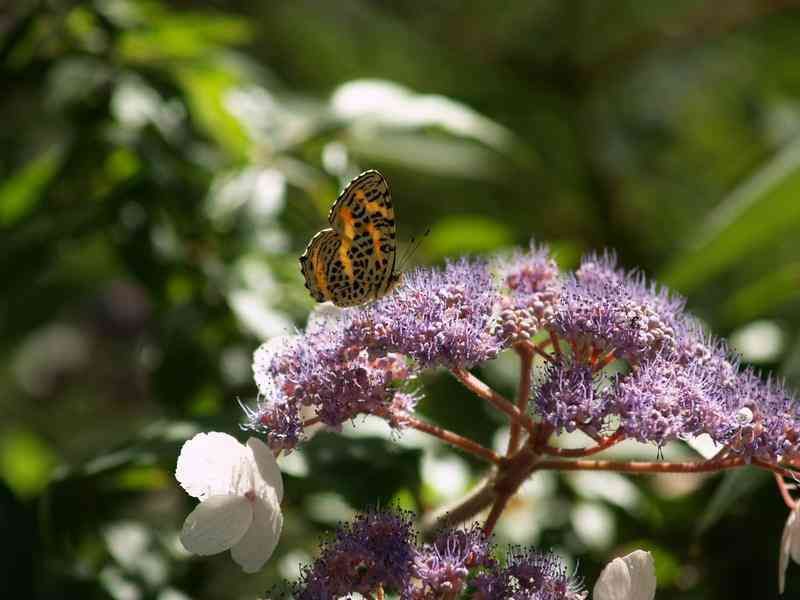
353	261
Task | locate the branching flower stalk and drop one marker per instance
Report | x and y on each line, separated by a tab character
601	351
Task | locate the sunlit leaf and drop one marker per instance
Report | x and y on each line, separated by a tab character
184	36
141	478
424	153
206	89
26	462
462	234
764	295
393	105
760	212
22	191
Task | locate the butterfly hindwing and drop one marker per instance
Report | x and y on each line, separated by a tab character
354	261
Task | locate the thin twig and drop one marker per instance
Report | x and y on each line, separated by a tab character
452	438
523	393
554	340
311	421
480	389
650	467
603	444
537	348
477	499
494	515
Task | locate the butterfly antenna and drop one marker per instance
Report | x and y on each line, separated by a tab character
414	244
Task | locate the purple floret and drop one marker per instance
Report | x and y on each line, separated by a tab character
319	370
604	309
540	576
377	548
571	397
528	575
772	428
664	400
443	566
532	280
436	317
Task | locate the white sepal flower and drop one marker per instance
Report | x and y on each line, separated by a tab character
790	546
632	577
240	490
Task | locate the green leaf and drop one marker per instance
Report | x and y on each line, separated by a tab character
735	486
206	89
26	462
760	212
20	193
464	234
764	295
441	155
182	36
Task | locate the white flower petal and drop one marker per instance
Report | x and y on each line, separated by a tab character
267	467
258	544
262	359
642	570
216	524
614	582
789	543
209	463
794	536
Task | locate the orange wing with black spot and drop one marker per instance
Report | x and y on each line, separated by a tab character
354	261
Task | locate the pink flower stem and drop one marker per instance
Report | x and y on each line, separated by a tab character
483	391
536	348
311	421
523	393
791	504
602	444
656	467
556	345
450	437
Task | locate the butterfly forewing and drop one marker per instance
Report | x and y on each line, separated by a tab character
354	262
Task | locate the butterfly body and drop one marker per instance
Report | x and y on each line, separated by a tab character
353	261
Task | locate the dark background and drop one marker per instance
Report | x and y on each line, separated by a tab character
162	166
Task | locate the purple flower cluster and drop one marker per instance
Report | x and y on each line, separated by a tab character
320	372
570	396
380	549
351	362
529	575
443	566
376	549
603	309
533	284
676	381
672	381
439	318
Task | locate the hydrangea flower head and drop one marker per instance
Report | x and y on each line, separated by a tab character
436	317
571	396
664	400
376	549
772	430
320	370
540	576
240	489
442	567
604	309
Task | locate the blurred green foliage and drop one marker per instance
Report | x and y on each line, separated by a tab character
163	165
